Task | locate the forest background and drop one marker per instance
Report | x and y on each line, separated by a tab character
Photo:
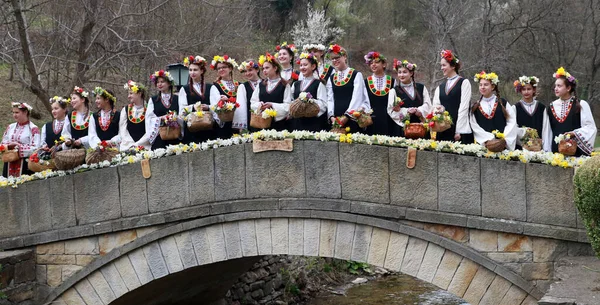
49	46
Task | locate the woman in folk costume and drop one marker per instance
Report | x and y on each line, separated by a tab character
195	96
273	92
22	136
379	85
107	118
324	70
310	89
81	128
225	88
529	111
286	56
250	70
346	90
454	93
162	106
52	130
409	100
132	124
492	116
569	117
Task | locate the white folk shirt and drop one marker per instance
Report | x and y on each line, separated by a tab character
282	108
360	97
586	134
126	139
462	122
509	130
400	116
57	127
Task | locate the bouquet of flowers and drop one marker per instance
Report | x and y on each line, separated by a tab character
225	109
439	119
497	144
566	145
362	117
169	127
531	140
41	160
304	106
338	126
9	155
398	102
197	120
262	119
105	151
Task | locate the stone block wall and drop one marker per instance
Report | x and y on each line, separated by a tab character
262	284
17	277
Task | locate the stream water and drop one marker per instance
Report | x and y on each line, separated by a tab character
391	290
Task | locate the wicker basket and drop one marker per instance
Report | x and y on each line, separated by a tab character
496	145
226	116
536	145
196	124
100	156
441	126
37	167
169	133
414	131
257	121
567	147
364	121
300	109
10	156
339	130
69	159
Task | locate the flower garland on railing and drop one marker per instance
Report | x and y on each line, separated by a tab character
137	155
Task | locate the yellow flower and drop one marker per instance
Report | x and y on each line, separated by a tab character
433	144
561	71
348	140
135	89
3	183
564	164
523	159
62	138
261	60
342	138
229	106
200	114
347	129
130	159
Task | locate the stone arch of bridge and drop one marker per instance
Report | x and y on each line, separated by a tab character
174	249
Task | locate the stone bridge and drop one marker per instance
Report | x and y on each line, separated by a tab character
486	230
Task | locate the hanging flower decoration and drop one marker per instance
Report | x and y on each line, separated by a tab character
80	91
60	100
373	56
525	80
285	45
133	86
310	46
222	59
336	49
404	63
196	60
162	74
561	72
22	106
267	58
99	91
449	57
244	66
310	56
492	77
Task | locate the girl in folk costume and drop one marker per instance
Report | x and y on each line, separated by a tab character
414	103
22	136
250	70
285	55
133	121
530	112
195	96
379	85
226	87
569	116
273	92
454	93
81	128
492	116
311	84
345	89
107	118
159	106
52	130
323	69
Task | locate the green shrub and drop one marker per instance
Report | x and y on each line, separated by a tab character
587	199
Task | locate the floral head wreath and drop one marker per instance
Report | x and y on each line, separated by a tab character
164	74
562	72
310	46
134	87
223	59
80	91
244	66
267	58
404	63
309	56
525	80
492	77
60	100
337	49
374	56
449	57
289	47
22	106
102	92
196	60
